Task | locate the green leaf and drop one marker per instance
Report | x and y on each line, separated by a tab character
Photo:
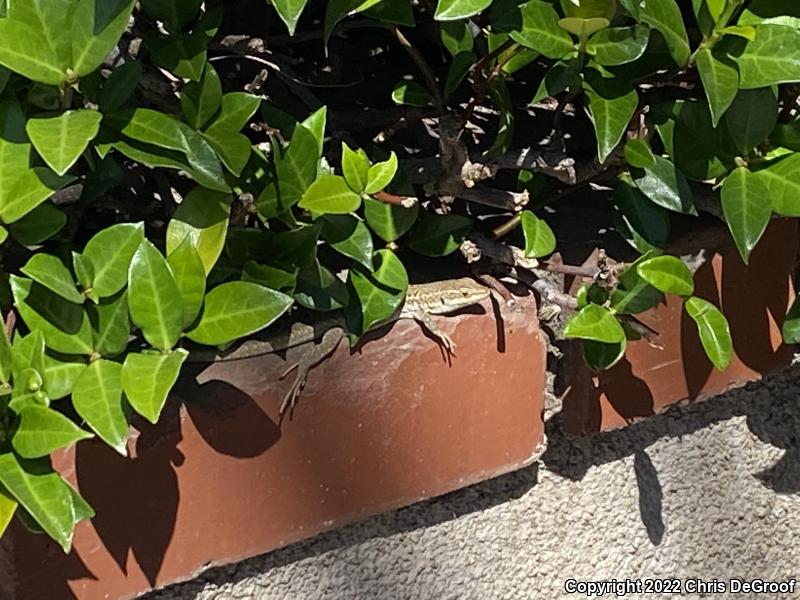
120	85
5	354
666	186
772	58
42	223
97	26
200	100
298	167
61	140
233	148
61	374
791	324
593	322
348	236
8	506
237	109
665	16
49	271
355	168
780	178
148	378
289	11
720	81
452	10
97	398
539	238
389	221
319	289
190	275
275	278
376	293
747	208
540	30
110	252
237	309
155	301
612	105
618	45
600	356
714	332
751	118
203	218
459	69
381	174
65	325
634	295
42	430
111	324
26	50
411	93
439	235
28	190
558	78
330	194
174	13
643	224
42	493
638	154
28	353
583	28
668	274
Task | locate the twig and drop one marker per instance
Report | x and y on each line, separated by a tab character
404	201
422	65
495	198
497	286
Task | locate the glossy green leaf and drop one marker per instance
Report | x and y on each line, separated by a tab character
539	238
583	28
376	293
791	324
668	274
601	356
26	50
120	85
110	252
780	178
593	322
714	332
203	218
42	430
155	301
65	325
558	78
148	378
772	58
638	154
61	140
8	506
28	353
618	45
174	13
49	271
389	221
666	186
40	224
348	236
355	168
237	309
411	93
381	174
289	11
236	110
298	167
330	194
540	30
61	374
275	278
643	224
190	275
111	324
459	69
720	80
452	10
634	294
439	235
42	493
233	148
97	398
319	289
751	118
97	26
5	354
28	190
665	16
747	208
200	100
612	105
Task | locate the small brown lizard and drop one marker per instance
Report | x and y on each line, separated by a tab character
422	302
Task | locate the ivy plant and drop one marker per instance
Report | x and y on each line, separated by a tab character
181	175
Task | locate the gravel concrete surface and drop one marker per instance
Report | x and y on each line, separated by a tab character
705	491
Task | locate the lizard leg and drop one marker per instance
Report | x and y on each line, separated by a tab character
425	320
314	356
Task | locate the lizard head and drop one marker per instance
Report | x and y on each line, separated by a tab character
470	291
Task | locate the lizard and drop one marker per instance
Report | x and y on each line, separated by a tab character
422	302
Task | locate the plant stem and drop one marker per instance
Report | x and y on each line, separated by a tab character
422	65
